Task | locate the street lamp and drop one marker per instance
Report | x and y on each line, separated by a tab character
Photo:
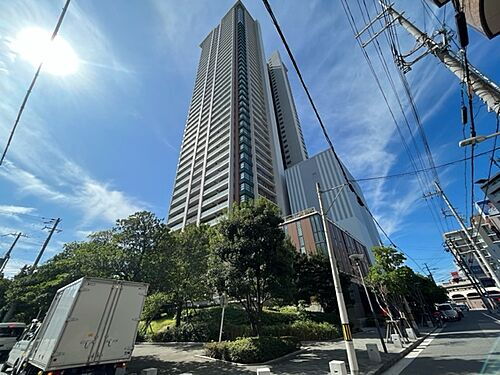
344	319
356	258
477	139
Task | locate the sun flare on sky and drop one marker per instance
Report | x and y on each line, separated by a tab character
33	45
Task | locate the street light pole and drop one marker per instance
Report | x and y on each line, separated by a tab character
356	258
477	139
344	319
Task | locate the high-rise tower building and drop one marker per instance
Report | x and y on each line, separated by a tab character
230	150
293	147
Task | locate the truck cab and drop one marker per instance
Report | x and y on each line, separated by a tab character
9	335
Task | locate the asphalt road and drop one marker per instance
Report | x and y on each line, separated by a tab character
471	346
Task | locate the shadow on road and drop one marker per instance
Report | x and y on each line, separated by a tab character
457	366
176	368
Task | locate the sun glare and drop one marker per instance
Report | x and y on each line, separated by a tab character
33	44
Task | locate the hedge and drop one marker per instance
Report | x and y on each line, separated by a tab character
304	330
252	349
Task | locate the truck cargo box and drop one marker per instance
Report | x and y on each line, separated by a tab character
90	322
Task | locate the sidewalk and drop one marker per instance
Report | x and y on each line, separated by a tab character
184	358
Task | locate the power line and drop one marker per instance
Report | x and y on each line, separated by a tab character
30	88
393	43
410	173
323	128
492	160
11	213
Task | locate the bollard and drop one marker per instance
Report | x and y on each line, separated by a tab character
396	340
337	368
149	371
373	353
264	371
411	334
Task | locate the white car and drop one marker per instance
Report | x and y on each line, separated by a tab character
9	334
448	312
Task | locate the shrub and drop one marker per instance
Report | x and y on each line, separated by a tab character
252	349
305	330
187	332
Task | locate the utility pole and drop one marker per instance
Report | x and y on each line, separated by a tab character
430	273
486	89
44	246
476	284
476	250
12	309
5	259
344	318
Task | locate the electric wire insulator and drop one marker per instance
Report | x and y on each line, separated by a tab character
463	112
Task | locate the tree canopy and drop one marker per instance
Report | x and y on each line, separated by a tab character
252	261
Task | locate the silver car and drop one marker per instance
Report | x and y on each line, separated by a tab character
449	313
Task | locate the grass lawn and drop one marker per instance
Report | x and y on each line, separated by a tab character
159	324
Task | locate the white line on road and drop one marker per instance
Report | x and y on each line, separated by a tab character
404	362
466	332
492	317
488	359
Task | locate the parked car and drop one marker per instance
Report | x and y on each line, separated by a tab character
457	309
463	306
9	334
449	313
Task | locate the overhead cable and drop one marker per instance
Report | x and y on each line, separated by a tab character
32	84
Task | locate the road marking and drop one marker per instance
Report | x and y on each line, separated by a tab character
470	332
404	362
492	317
485	369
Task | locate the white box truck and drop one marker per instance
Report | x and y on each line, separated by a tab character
90	328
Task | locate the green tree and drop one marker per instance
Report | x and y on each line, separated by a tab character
252	260
136	249
145	242
388	276
4	286
188	267
153	307
313	278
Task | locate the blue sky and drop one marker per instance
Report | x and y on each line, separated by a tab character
99	144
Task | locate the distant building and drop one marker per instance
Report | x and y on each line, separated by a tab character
490	249
460	290
492	189
345	211
293	147
305	230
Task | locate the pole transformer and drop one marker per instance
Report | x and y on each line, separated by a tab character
487	90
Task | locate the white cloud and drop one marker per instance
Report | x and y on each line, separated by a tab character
13	210
75	188
13	267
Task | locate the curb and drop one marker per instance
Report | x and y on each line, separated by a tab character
386	365
170	343
254	364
